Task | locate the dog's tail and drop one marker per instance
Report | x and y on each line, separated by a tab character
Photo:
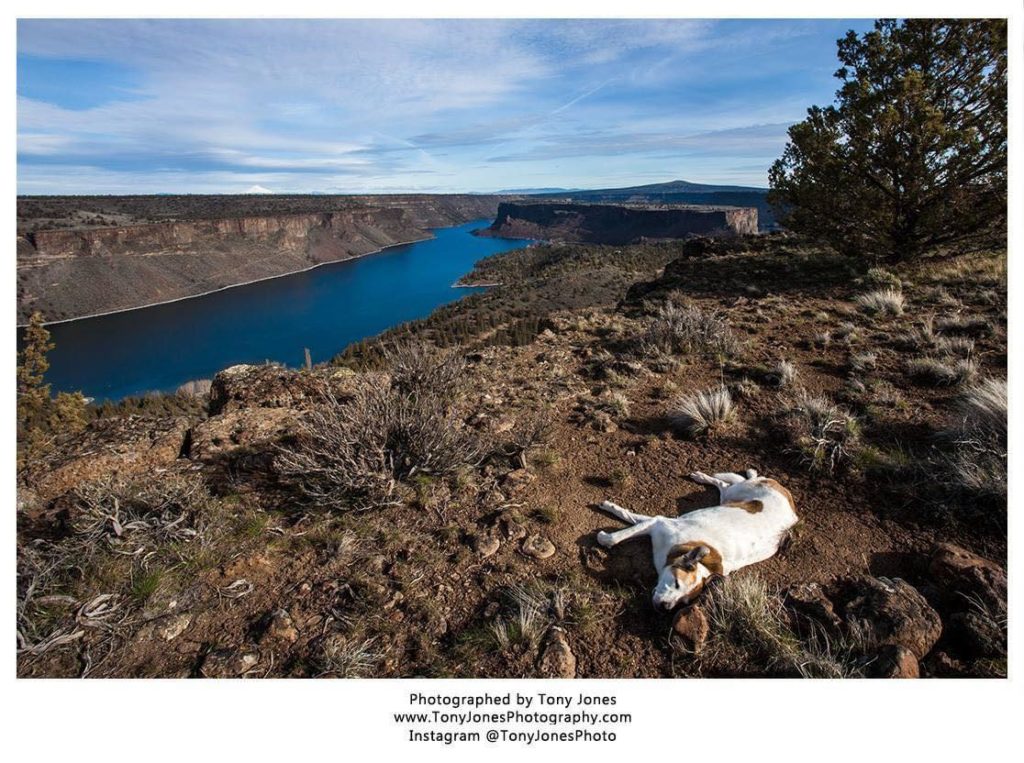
620	513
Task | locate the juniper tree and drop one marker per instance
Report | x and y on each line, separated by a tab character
912	155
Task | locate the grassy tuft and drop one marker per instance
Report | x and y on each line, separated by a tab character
882	302
703	412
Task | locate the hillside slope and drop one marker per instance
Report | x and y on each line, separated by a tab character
475	552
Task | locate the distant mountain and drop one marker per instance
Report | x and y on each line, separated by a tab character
533	191
681	192
672	187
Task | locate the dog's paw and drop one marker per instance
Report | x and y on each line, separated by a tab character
608	506
700	477
605	539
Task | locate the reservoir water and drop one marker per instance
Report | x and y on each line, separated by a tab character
324	309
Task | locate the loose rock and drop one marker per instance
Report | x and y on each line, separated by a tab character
173	626
896	661
538	547
281	628
691	625
558	661
486	544
518	479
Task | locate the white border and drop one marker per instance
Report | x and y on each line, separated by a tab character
711	720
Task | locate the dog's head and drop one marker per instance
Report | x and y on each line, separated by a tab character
682	578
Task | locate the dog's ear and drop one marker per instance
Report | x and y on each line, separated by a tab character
699	553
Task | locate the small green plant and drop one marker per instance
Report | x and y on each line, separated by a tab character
546	513
145	585
620	477
545	459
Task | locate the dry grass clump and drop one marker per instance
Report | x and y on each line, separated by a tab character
863	361
928	338
527	623
703	412
978	463
825	434
684	329
344	658
882	302
959	346
122	540
745	615
942	373
966	325
784	374
352	454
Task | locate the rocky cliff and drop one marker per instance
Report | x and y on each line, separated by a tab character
73	272
617	224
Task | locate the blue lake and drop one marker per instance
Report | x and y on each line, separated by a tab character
159	348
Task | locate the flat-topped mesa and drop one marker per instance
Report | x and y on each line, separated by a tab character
618	223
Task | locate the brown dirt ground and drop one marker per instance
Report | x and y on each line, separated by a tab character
407	581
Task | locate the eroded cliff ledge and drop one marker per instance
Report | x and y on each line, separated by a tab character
74	271
617	223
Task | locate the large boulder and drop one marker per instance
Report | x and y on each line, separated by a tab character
249	429
962	576
111	447
268	386
810	601
887	611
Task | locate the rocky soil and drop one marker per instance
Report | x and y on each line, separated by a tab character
185	546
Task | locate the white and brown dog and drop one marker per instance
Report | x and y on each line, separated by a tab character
747	527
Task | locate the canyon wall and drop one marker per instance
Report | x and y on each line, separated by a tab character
617	224
73	272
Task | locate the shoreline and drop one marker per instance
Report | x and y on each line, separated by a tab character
234	285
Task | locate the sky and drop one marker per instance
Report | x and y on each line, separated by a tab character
381	106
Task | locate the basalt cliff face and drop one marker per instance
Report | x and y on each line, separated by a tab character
73	272
617	224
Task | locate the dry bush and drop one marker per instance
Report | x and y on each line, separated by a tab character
684	329
702	412
882	302
942	373
745	615
880	277
352	454
418	369
823	433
